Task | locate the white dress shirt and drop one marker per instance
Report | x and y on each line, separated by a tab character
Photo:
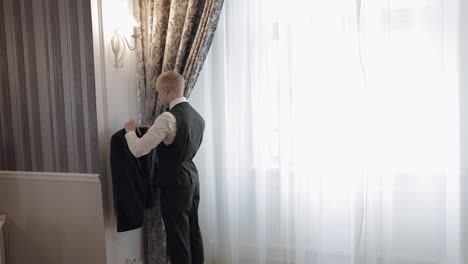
164	130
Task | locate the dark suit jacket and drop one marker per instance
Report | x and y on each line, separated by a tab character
131	183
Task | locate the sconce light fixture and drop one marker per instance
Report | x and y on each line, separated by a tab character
118	43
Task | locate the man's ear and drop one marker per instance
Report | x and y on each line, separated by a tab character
166	89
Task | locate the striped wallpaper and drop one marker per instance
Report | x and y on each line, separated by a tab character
47	98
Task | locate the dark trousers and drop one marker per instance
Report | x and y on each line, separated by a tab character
179	206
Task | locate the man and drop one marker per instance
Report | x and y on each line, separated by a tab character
176	135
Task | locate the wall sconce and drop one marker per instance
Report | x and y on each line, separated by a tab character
118	43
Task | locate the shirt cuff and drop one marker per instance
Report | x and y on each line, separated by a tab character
130	134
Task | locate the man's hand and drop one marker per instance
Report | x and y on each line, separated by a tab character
130	126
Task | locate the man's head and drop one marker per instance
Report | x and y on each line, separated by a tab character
170	85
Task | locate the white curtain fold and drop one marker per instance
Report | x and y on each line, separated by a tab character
332	133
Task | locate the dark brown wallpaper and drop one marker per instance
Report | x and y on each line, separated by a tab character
47	94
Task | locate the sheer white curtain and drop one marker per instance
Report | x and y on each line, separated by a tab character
332	133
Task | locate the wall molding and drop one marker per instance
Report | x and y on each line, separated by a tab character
49	176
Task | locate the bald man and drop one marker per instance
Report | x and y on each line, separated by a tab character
176	135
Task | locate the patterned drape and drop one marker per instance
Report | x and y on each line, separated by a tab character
175	35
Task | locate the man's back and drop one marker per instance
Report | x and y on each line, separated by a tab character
175	165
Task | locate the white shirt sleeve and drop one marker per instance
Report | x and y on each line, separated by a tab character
163	127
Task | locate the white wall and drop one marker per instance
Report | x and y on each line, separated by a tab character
463	16
116	103
52	218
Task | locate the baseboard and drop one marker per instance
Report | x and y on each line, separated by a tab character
49	176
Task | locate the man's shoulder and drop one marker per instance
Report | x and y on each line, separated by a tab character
166	116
